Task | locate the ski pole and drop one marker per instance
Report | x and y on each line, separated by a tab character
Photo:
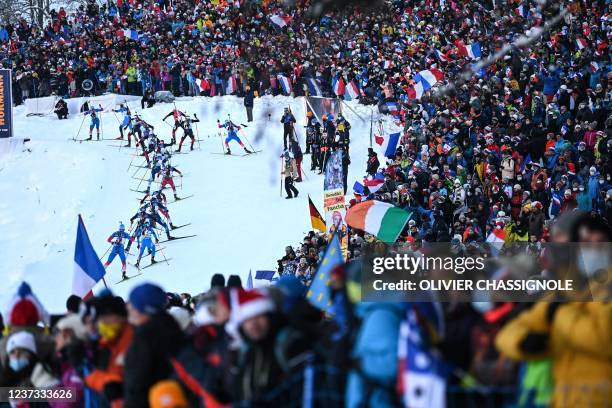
118	121
221	140
136	172
304	172
164	255
105	252
141	183
297	139
131	161
198	136
281	178
247	139
139	167
77	135
130	234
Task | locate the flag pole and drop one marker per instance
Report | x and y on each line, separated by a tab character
371	121
80	221
342	102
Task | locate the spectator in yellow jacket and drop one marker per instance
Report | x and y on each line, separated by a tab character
575	335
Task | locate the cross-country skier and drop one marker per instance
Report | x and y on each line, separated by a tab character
158	195
166	173
152	143
116	239
160	207
148	213
147	234
126	123
157	219
231	135
178	121
142	217
139	126
187	130
95	120
156	166
287	120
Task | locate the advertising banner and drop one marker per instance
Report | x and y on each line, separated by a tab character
320	106
6	104
333	199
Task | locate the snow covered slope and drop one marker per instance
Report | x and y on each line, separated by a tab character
239	217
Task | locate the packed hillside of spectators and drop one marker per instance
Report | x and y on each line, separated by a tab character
128	47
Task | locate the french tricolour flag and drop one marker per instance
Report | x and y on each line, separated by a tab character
313	87
358	188
472	50
131	34
352	91
424	81
581	43
88	270
338	85
285	83
388	143
521	10
232	85
429	77
61	41
203	84
281	20
441	56
496	240
417	91
375	183
392	108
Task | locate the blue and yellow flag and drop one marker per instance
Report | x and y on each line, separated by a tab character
319	293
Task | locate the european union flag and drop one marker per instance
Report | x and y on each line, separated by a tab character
265	275
319	294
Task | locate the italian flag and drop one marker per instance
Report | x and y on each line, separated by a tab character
383	220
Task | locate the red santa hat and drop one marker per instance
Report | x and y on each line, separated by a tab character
249	303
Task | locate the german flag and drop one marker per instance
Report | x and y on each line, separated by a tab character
315	217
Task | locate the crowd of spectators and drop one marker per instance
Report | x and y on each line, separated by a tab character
271	346
379	49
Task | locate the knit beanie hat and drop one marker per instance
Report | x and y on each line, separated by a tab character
148	298
22	340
